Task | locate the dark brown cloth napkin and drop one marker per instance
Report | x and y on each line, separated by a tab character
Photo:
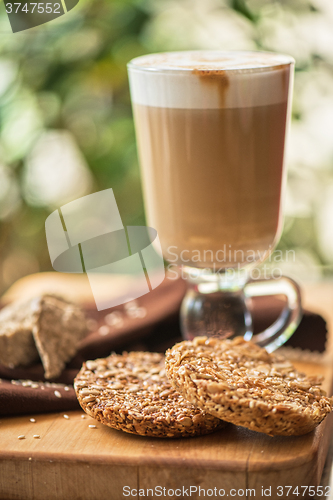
151	323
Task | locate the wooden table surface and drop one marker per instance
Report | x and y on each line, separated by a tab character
71	461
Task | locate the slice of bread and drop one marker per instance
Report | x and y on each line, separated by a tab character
17	346
48	327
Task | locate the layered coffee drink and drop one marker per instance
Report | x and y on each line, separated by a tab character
211	130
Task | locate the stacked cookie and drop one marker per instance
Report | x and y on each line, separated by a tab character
131	392
199	386
242	383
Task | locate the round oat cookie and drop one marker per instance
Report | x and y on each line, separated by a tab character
241	383
131	392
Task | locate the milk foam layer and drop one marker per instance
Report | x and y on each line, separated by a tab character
210	79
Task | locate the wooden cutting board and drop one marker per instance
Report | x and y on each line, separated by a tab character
71	461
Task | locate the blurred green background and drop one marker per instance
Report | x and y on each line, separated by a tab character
66	125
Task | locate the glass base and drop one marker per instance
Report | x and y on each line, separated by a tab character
215	305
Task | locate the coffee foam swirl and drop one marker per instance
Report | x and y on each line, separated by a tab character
210	79
211	60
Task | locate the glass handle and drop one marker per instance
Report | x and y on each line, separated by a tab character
283	328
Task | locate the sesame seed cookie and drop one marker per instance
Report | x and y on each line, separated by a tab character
131	392
242	383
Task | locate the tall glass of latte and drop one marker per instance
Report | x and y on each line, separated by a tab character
211	129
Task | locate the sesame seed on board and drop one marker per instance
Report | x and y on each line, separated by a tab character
104	330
